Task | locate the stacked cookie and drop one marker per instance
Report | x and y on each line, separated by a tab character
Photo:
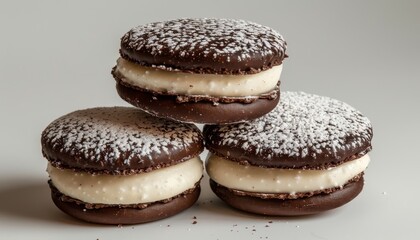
122	166
212	71
306	156
119	165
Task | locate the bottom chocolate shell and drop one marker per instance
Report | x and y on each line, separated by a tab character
289	207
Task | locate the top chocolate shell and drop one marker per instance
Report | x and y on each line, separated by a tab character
118	140
304	131
217	46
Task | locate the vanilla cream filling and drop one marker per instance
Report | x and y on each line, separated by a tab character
147	187
274	180
216	85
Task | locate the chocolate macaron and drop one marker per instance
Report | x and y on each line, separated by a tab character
118	165
210	71
306	156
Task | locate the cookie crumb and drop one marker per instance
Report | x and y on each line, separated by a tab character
194	217
168	225
270	221
195	222
267	226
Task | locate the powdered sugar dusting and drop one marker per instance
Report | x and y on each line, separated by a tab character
106	134
302	125
207	37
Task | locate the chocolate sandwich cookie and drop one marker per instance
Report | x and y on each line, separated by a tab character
118	165
201	70
306	156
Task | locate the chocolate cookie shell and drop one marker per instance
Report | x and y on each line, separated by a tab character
221	46
289	207
304	131
118	140
168	106
122	214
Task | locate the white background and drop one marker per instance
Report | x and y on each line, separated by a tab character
56	57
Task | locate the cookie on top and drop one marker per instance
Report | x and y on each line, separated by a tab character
212	71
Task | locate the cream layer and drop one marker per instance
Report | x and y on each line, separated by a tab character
147	187
274	180
217	85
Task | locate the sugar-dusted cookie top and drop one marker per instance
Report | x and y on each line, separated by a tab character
118	140
223	46
303	131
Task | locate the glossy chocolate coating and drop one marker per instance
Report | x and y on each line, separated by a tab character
166	106
126	215
289	207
